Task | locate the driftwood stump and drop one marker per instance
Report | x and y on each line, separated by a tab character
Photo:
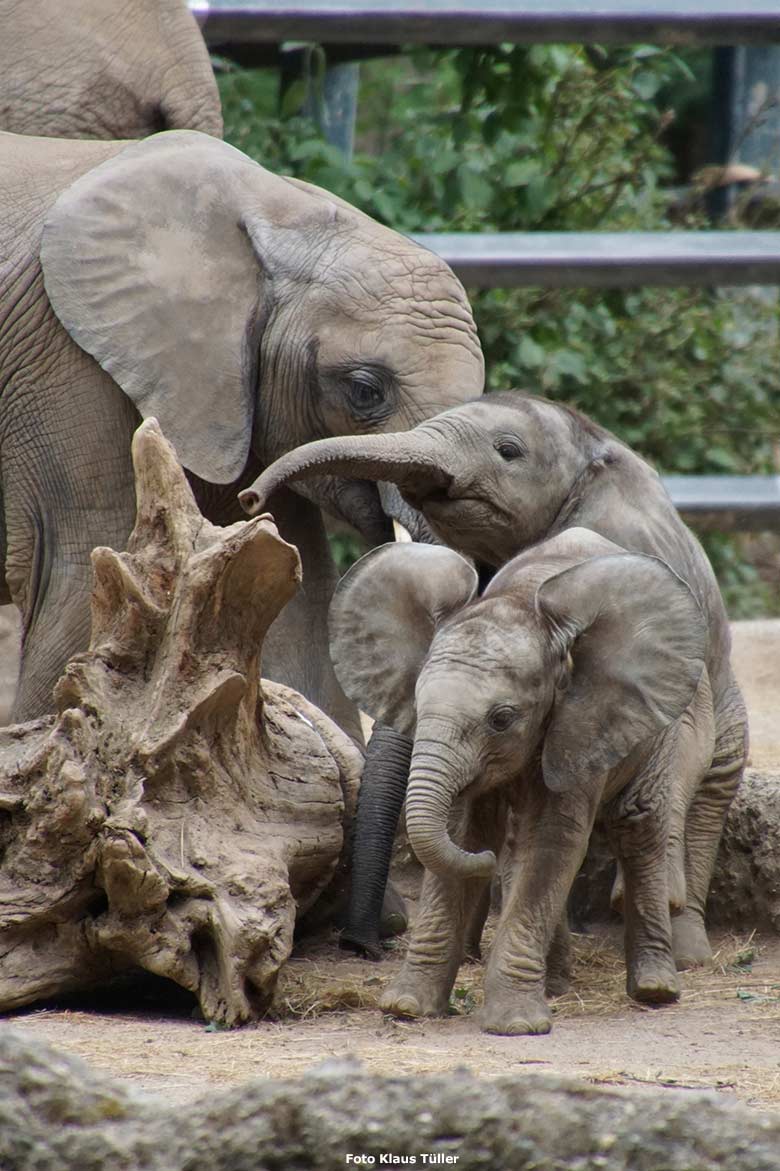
176	813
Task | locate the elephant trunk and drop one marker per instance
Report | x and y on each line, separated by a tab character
406	458
434	783
382	792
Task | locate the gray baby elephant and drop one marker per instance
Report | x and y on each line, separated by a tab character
575	685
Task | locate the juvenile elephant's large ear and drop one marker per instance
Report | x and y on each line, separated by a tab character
149	262
382	619
638	639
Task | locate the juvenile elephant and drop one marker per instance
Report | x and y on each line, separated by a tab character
249	313
104	69
576	683
495	476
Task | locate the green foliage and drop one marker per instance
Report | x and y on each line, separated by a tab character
346	548
551	138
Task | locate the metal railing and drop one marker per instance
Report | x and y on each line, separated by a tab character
248	29
485	22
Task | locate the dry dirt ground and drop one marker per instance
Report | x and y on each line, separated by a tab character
724	1034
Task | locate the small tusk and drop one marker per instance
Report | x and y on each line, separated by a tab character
400	533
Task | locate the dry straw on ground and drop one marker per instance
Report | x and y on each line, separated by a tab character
310	985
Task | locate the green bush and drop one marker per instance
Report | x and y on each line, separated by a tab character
552	138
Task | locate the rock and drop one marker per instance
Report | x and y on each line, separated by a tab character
57	1114
745	890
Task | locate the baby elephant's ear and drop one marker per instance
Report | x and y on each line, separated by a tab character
639	641
382	619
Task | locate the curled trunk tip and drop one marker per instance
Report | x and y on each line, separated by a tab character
250	501
397	457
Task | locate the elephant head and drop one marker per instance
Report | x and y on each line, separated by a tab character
576	654
251	313
104	69
490	477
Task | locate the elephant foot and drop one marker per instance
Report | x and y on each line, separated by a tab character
409	996
652	979
516	1014
690	944
369	949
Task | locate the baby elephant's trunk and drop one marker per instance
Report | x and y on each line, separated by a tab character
402	458
434	783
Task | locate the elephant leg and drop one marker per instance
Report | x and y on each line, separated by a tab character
641	841
688	750
558	966
296	650
550	839
476	925
703	828
447	906
5	593
68	487
382	791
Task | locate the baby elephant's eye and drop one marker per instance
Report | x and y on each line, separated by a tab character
502	717
509	449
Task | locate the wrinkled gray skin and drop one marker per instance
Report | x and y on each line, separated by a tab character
104	69
576	683
176	278
494	476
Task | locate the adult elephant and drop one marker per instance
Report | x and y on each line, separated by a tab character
249	313
104	69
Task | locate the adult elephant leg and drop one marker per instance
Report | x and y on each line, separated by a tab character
68	487
550	838
296	650
704	826
382	792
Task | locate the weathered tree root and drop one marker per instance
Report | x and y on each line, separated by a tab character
175	815
57	1113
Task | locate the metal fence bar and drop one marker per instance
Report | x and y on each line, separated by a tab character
480	22
608	259
736	503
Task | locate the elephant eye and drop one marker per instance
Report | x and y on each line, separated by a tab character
502	717
509	448
367	388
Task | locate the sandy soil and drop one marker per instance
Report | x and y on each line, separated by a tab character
724	1034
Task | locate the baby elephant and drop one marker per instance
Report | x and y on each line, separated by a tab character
575	685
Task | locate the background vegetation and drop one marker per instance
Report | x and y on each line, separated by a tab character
554	138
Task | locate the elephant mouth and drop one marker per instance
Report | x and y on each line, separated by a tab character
357	502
